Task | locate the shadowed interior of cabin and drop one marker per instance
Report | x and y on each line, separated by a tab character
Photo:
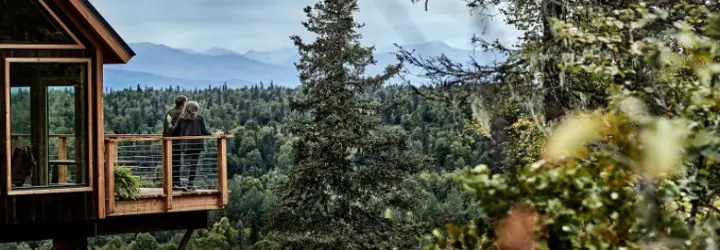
47	99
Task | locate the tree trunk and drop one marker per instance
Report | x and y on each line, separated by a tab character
555	96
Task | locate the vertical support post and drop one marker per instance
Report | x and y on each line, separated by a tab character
97	84
185	239
39	128
222	170
7	140
167	172
111	154
62	155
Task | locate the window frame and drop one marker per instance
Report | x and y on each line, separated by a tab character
77	45
89	166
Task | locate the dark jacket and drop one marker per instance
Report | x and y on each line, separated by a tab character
174	113
196	127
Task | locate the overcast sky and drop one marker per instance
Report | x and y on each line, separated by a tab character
243	25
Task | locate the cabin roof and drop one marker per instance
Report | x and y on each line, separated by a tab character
115	48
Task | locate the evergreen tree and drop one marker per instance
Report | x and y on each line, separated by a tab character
347	165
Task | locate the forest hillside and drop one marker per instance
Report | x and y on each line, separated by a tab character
598	130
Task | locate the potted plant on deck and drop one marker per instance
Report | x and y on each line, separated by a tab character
127	185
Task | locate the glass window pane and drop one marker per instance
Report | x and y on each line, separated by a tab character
20	117
62	123
27	22
47	127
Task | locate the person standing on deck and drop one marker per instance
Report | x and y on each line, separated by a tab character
169	121
190	124
172	115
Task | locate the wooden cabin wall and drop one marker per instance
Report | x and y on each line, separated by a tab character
62	207
49	208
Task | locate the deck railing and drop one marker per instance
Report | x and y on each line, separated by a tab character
196	166
169	168
58	157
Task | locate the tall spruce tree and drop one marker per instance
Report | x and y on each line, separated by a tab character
347	165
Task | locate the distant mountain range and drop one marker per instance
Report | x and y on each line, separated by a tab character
160	66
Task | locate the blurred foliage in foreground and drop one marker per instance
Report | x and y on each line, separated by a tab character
637	173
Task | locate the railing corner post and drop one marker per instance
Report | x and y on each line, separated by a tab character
111	158
167	171
222	170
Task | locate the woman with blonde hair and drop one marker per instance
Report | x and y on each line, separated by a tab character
190	123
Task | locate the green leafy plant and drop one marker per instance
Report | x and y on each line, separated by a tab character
127	185
635	173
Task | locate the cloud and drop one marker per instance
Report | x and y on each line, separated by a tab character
243	25
399	19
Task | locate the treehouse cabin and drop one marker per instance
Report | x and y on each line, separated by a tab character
61	176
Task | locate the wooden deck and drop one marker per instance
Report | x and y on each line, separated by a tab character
161	199
156	205
164	199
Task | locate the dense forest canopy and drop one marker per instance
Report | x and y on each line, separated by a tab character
261	152
598	131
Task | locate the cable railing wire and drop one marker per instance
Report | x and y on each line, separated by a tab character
194	170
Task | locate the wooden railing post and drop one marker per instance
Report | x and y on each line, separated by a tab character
167	172
62	155
222	170
111	152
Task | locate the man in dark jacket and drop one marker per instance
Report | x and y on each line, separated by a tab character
169	121
172	115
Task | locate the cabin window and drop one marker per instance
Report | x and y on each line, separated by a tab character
29	22
48	124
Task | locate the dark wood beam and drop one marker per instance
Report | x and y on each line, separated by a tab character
17	233
152	222
108	226
186	239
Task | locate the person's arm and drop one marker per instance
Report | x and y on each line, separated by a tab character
202	126
176	129
167	130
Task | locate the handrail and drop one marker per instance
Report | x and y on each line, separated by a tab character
171	138
50	135
131	135
138	137
61	151
106	135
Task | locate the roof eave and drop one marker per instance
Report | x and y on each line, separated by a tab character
121	50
